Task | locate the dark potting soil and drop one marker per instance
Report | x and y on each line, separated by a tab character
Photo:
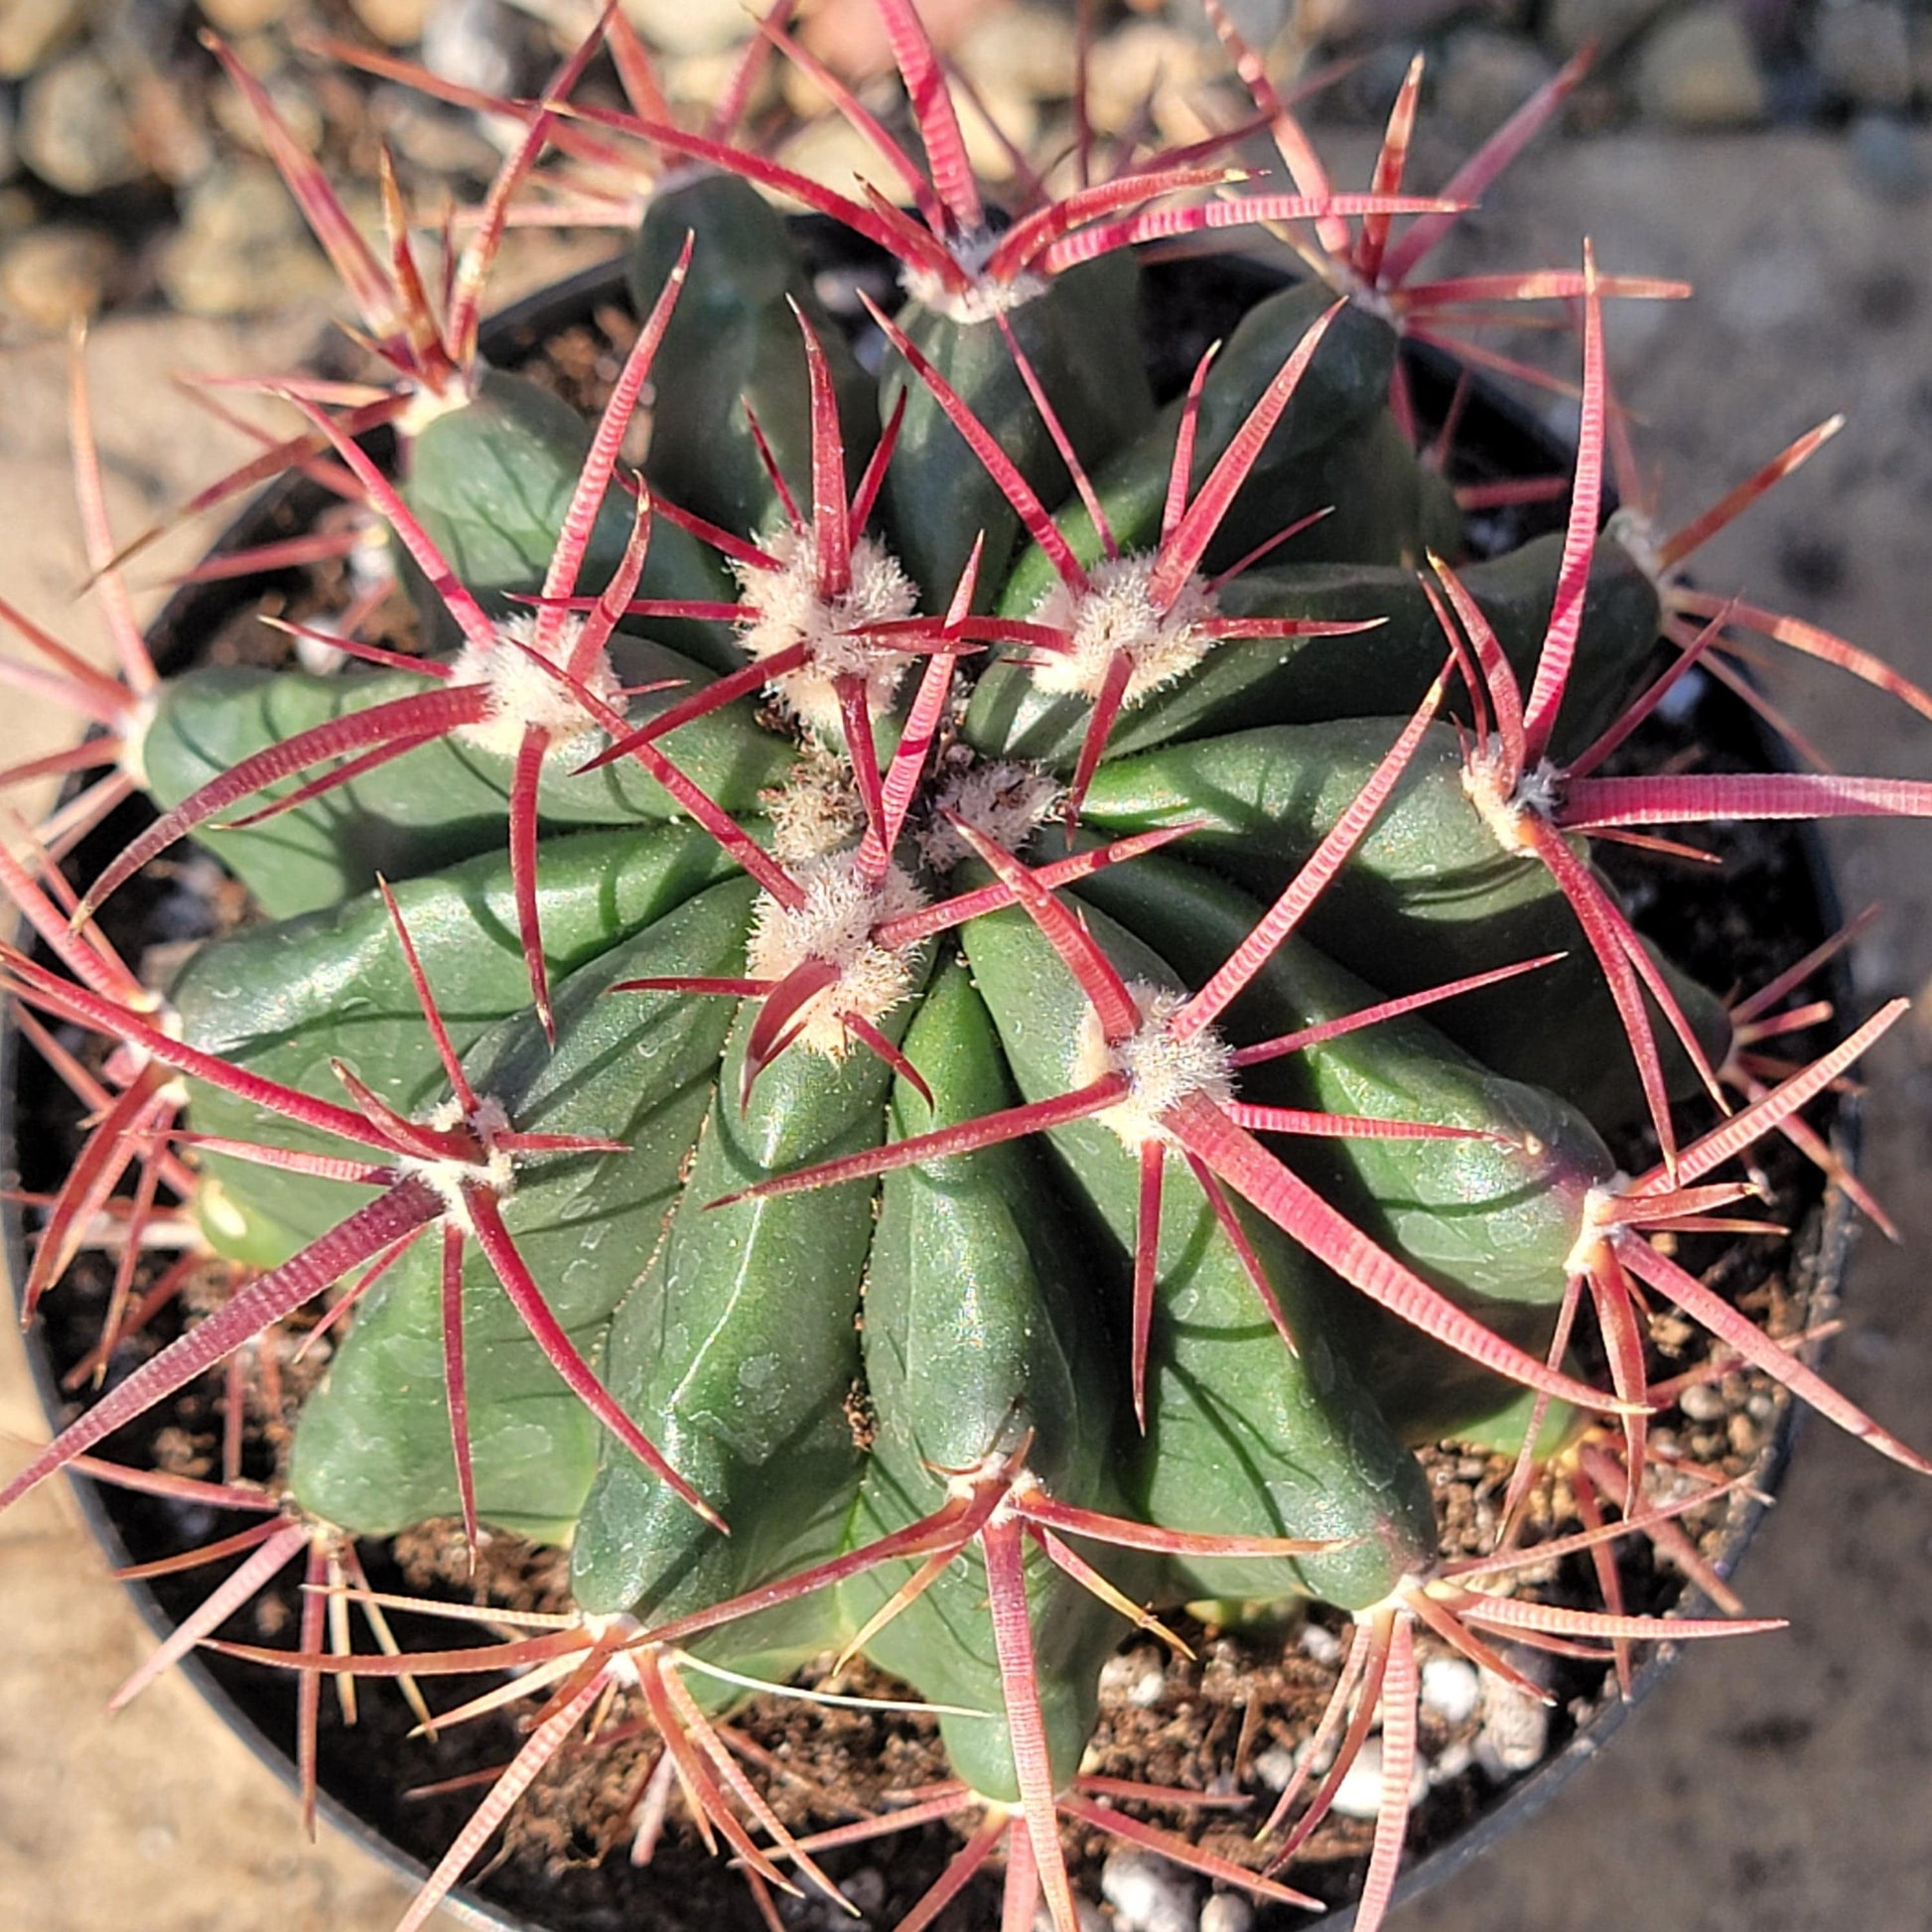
1214	1724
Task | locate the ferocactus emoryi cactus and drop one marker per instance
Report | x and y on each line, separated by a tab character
956	1016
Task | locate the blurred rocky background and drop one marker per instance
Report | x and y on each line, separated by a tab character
131	177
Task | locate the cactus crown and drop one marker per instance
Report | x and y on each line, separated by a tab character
956	1016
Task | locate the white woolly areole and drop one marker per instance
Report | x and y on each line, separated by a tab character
1005	801
425	404
1598	1222
131	730
984	300
968	1484
496	1173
129	1058
984	297
1116	615
1507	811
522	693
1634	533
622	1664
791	612
835	924
1162	1071
817	811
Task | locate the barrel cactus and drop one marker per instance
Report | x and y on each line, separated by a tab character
953	1017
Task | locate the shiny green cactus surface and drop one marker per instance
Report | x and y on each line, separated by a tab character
971	1305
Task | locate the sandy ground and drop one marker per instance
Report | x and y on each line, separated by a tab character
1781	1785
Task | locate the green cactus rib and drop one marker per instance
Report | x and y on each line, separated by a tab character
733	356
742	1337
441	802
1496	1215
1342	394
1310	681
983	1330
1429	895
491	482
1243	1439
1078	339
373	1451
284	1001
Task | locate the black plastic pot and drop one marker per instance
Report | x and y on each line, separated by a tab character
1191	303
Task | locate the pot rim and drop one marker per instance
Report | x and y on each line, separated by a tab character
1827	1235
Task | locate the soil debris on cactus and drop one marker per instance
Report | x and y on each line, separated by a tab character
975	1014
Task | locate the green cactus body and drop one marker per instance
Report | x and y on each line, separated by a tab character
1243	1438
812	1363
441	802
734	346
372	1451
742	1340
1382	505
1429	895
1308	680
982	1330
489	479
284	1001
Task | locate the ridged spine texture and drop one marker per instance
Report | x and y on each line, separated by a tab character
809	1361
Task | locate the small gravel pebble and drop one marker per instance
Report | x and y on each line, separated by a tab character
1359	1794
1863	50
395	23
1275	1766
1699	70
866	1889
440	141
32	30
476	43
1485	74
1259	21
1136	1676
293	100
53	277
1701	1402
1571	25
831	151
1319	1643
317	656
1143	58
74	127
1889	157
242	248
1088	1915
1450	1689
237	17
1020	50
1515	1730
1147	1893
690	26
1227	1911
